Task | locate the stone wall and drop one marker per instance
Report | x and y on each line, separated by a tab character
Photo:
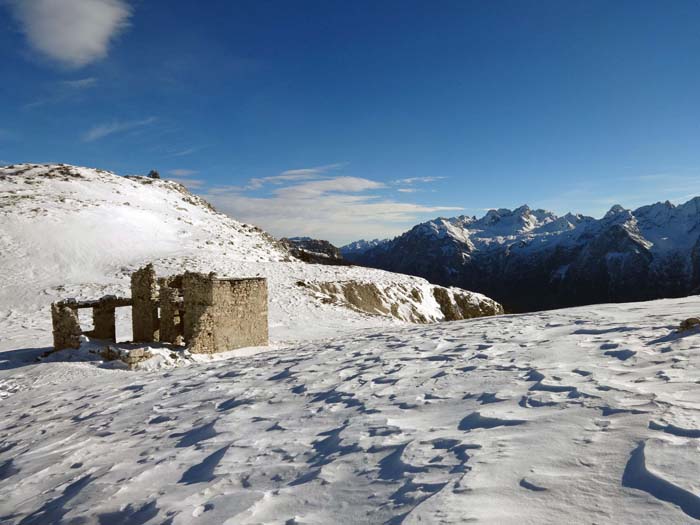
204	312
66	324
144	294
224	314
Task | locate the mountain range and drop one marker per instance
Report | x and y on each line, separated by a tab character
533	259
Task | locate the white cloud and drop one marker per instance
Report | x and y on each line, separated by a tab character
71	32
183	152
184	177
318	170
340	209
407	190
293	175
414	180
102	130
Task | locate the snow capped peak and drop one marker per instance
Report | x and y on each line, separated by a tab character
506	223
616	209
361	246
658	213
494	215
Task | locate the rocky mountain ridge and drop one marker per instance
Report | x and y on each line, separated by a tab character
352	250
313	250
533	259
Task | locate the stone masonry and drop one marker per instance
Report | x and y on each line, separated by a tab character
144	294
66	325
224	314
203	312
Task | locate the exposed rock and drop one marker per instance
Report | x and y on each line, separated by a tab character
403	303
689	324
131	357
457	304
313	250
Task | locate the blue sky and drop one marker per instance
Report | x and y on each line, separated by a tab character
343	120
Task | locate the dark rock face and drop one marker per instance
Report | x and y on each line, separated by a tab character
313	250
355	250
533	260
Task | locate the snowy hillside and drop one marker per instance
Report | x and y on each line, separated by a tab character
588	415
80	232
532	259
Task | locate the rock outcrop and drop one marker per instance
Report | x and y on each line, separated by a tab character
405	304
313	251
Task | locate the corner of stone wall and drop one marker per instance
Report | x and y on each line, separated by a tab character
66	326
144	294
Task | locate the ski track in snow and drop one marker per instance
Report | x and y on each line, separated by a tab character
517	419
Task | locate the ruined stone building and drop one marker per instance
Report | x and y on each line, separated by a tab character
202	312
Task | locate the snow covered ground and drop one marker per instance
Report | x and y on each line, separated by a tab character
586	415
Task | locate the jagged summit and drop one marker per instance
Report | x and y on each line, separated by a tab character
353	249
616	209
534	259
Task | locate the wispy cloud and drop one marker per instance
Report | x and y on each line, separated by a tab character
407	190
338	208
181	172
415	180
318	170
73	33
80	83
184	177
103	130
293	175
183	152
63	91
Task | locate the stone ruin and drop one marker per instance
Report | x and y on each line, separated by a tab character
202	312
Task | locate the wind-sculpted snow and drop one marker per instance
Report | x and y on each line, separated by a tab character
515	419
